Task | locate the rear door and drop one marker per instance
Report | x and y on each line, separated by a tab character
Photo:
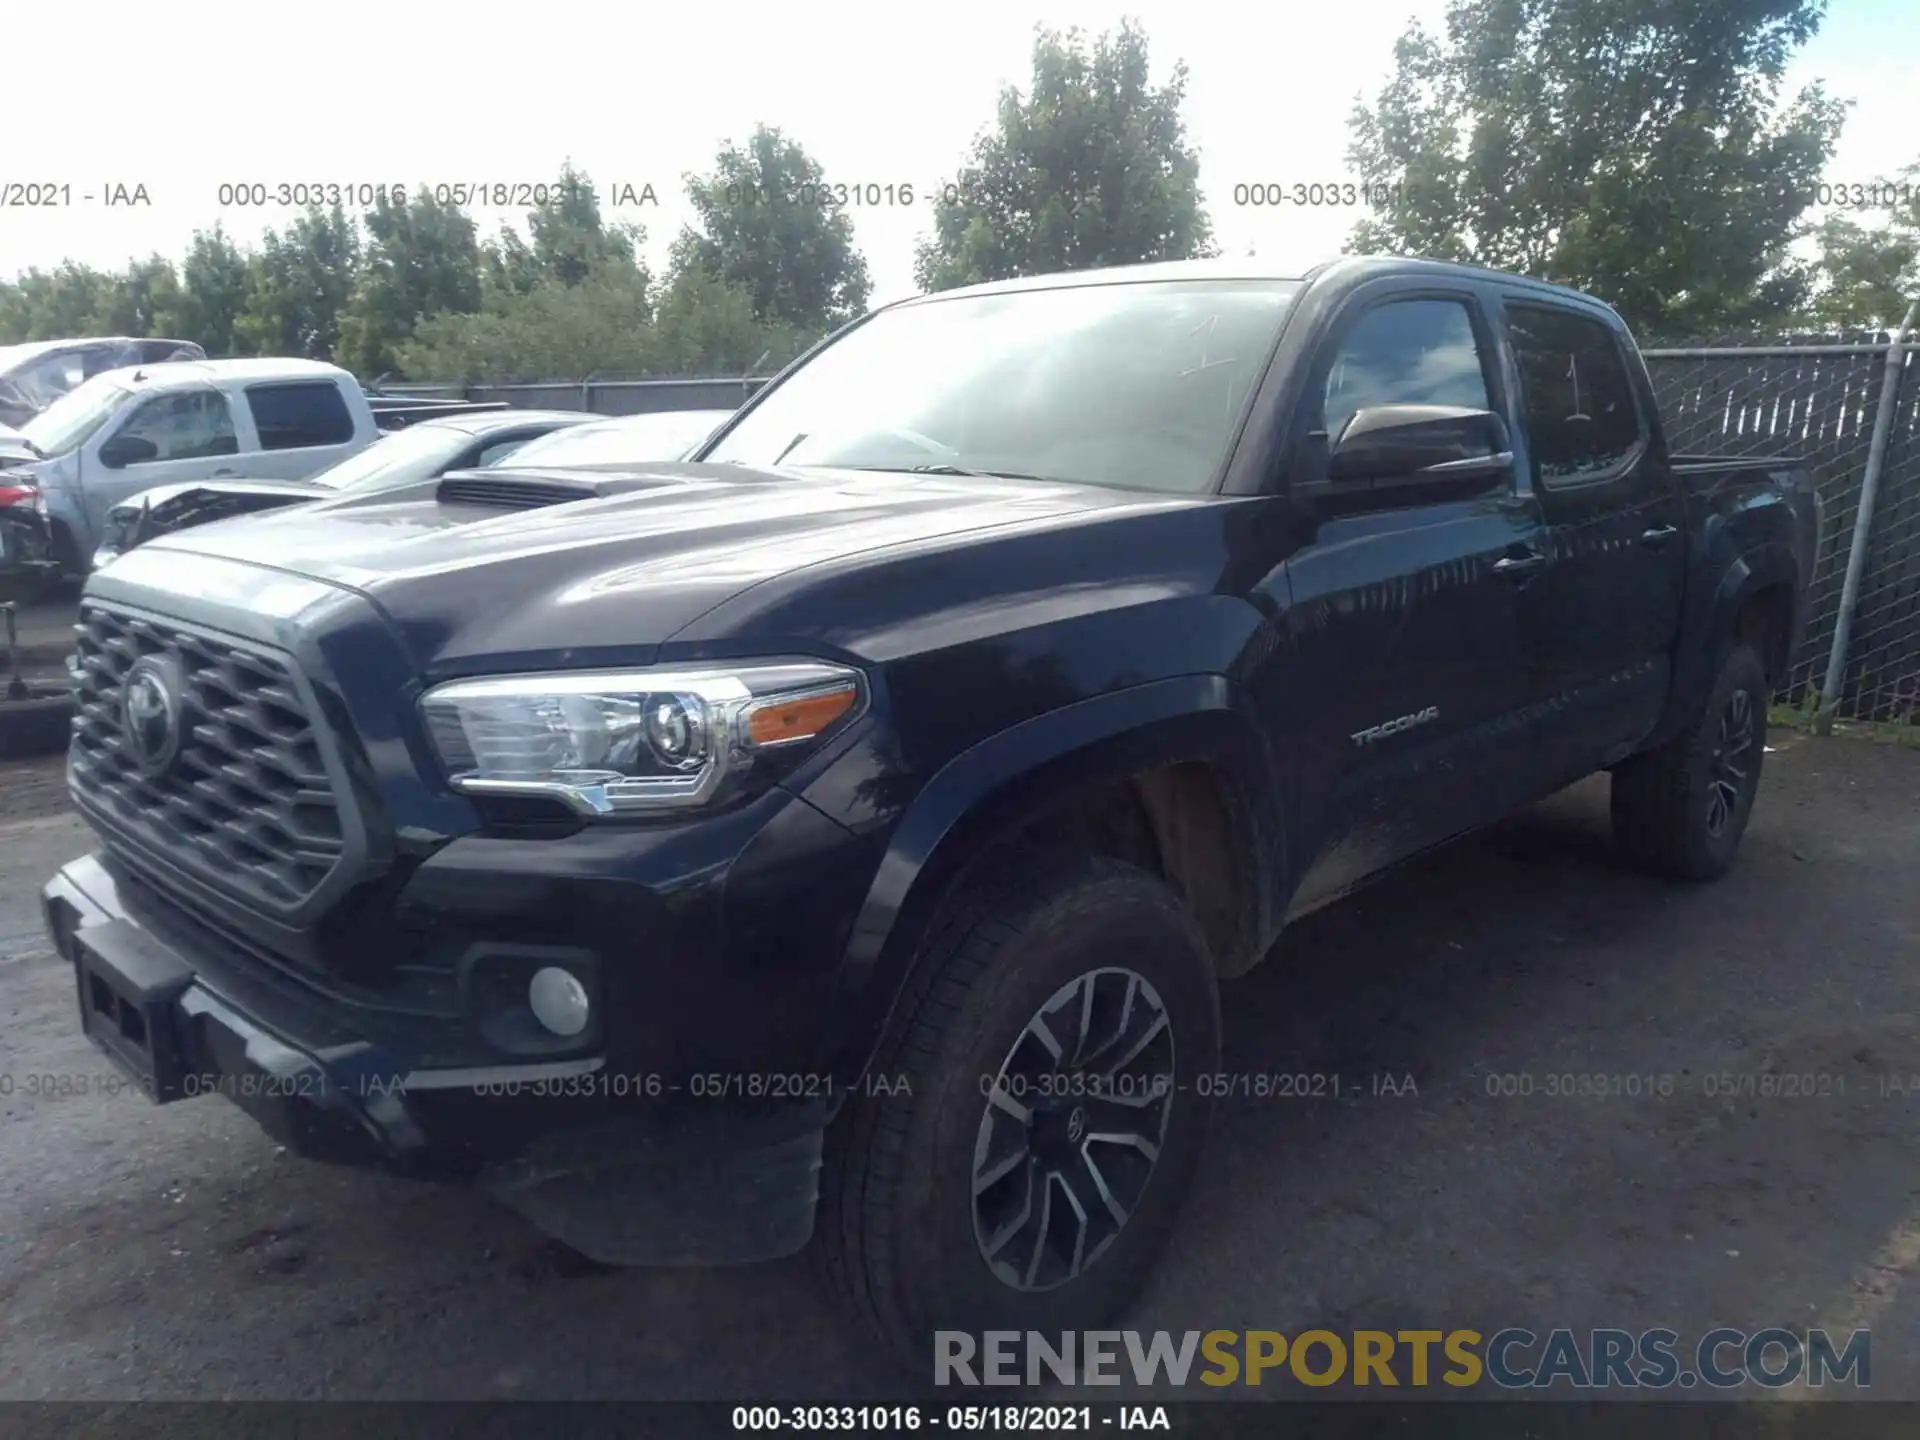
191	435
303	427
1398	699
1599	624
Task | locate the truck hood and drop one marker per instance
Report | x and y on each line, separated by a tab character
14	449
161	497
167	508
657	549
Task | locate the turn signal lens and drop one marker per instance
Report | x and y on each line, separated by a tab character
801	718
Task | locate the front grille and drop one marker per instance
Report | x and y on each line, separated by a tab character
246	805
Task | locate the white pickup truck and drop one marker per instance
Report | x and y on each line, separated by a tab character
129	430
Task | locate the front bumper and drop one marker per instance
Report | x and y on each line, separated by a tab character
629	1169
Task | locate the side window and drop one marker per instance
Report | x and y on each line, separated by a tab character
300	413
188	425
99	359
156	352
1581	418
499	450
1406	352
47	379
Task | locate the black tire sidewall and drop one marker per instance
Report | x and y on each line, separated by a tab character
1135	924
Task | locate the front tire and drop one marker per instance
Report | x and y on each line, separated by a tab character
1681	810
1029	1170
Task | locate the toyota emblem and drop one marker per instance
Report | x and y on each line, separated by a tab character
150	714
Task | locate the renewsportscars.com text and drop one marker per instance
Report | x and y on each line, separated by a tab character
1508	1359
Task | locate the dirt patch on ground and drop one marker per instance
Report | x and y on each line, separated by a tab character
33	789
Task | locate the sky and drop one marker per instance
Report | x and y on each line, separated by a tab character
180	100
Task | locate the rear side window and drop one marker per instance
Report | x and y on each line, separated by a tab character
1406	352
300	413
499	450
154	352
1581	418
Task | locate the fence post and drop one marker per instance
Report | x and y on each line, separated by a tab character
1863	523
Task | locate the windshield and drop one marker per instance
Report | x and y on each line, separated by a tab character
417	453
68	421
631	440
1139	386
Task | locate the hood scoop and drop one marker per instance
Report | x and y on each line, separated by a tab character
532	489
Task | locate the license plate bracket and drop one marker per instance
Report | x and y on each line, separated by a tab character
128	987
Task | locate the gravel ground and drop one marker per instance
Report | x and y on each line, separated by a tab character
176	1253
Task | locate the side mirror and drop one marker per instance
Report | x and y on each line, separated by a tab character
1399	444
124	450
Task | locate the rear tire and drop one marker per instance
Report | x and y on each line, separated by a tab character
920	1224
1680	810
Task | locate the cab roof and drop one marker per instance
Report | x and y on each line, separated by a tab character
1350	268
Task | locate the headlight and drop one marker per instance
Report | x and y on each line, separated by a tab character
634	741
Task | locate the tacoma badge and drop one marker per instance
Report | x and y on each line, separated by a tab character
1394	727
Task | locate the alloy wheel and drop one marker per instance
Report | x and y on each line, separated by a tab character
1074	1122
1732	762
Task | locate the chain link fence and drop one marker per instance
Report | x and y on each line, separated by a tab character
1820	399
1817	398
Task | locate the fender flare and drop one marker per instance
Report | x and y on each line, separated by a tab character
1010	776
1699	651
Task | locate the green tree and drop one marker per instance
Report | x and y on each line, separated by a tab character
215	281
54	304
299	283
708	326
757	230
1870	273
603	325
143	299
1639	149
571	240
507	264
1092	168
422	258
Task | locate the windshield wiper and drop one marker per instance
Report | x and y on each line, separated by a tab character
945	469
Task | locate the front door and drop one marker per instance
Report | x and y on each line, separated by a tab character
173	436
1396	697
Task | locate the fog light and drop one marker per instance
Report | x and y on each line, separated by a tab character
558	1000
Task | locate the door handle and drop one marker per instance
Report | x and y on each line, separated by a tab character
1658	535
218	473
1515	565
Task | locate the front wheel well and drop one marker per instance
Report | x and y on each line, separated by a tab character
1181	822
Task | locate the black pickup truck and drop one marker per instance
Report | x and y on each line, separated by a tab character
842	836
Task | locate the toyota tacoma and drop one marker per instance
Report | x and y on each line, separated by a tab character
839	838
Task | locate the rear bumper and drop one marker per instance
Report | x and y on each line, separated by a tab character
624	1168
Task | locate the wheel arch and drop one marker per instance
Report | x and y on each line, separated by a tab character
1181	757
1757	598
